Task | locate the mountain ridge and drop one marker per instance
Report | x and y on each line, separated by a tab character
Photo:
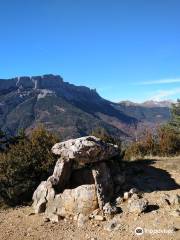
67	109
149	103
28	101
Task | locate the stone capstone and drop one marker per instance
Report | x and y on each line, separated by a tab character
85	150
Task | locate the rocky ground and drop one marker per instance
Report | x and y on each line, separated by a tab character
154	177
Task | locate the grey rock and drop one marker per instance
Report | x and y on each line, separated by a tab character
109	209
94	213
46	219
85	150
126	195
43	193
133	190
61	174
103	182
137	206
112	225
82	219
82	200
119	200
99	218
135	196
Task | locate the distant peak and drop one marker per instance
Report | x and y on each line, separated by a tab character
149	103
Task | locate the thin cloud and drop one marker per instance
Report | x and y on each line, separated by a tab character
160	81
165	94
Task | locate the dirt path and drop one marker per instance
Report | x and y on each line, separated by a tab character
157	177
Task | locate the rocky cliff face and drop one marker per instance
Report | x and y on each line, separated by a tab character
50	82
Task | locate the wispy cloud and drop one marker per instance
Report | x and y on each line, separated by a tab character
165	94
160	81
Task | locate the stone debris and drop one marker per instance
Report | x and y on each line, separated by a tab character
175	213
94	213
135	196
133	190
99	218
112	225
110	209
137	206
167	200
126	195
119	200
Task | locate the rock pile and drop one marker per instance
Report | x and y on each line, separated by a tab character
82	181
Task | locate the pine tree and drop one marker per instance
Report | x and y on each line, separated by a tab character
175	117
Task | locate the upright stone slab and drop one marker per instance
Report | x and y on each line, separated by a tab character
103	183
61	174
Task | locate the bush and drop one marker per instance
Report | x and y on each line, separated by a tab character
175	117
165	142
134	150
24	165
168	141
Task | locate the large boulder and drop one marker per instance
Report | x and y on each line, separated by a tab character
82	199
85	150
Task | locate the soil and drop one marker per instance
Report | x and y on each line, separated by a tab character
155	177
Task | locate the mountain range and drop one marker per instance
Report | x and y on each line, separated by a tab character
72	111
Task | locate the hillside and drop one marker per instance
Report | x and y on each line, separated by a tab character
69	110
149	111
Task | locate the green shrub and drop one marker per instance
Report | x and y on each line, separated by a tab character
165	142
24	165
175	117
168	141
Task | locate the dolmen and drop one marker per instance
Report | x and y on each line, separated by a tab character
82	180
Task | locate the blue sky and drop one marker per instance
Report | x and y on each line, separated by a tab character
125	49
